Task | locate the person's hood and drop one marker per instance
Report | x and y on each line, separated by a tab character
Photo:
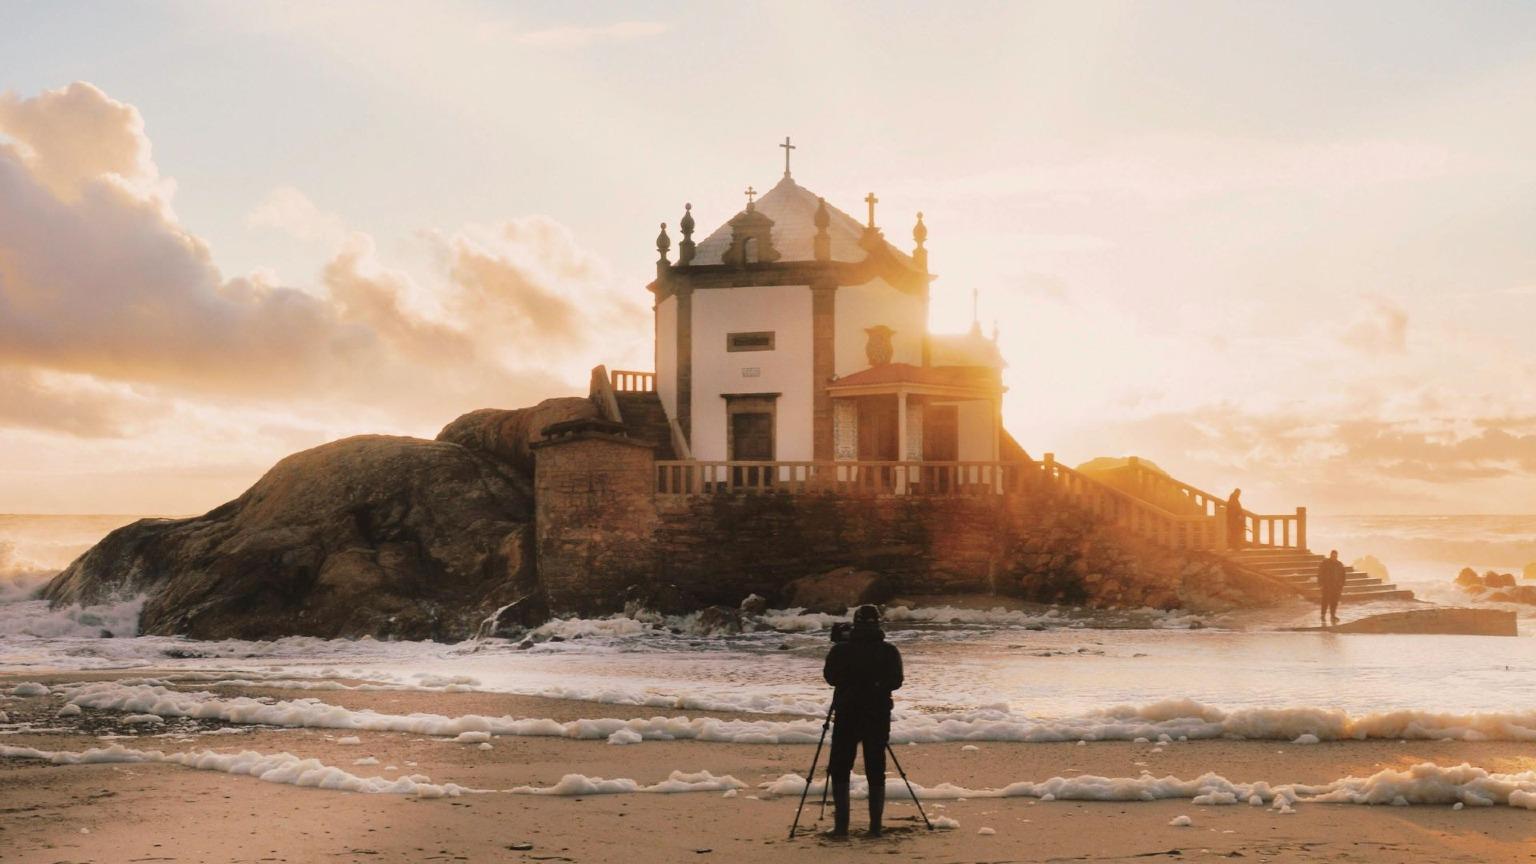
868	634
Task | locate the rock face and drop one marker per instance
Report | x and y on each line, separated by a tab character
374	535
507	435
1468	581
838	591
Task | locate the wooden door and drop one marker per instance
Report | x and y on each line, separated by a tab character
752	441
752	436
941	433
877	429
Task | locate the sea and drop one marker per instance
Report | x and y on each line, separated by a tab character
1047	664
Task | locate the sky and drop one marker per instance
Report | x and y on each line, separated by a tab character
1283	246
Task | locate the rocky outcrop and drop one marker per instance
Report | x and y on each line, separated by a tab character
838	591
1372	566
507	435
368	536
1503	585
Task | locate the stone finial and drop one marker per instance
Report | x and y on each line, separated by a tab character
877	348
871	200
663	244
822	243
686	247
920	252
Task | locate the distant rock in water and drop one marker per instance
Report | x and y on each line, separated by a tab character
368	536
1372	566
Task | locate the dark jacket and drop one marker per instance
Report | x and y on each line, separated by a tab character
1330	576
865	670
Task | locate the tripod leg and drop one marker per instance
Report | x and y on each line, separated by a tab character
910	790
811	774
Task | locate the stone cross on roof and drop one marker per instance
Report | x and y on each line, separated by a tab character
787	147
750	193
871	200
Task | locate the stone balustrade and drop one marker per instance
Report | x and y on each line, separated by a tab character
632	381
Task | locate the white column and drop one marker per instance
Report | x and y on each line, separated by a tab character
901	440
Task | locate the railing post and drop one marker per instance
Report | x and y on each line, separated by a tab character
1301	528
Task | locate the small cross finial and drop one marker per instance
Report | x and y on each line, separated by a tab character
871	200
787	147
750	193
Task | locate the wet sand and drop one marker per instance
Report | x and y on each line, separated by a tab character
109	813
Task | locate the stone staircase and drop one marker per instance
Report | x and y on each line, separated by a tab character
646	420
1298	568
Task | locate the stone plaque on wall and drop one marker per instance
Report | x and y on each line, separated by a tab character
845	430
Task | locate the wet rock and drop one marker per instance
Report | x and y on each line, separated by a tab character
839	590
368	536
1499	580
1371	566
717	620
753	605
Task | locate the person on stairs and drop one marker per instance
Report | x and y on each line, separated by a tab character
1330	586
865	669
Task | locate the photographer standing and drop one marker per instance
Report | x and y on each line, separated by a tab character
865	669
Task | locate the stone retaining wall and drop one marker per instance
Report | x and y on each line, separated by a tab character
605	539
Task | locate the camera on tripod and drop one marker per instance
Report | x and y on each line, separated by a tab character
842	631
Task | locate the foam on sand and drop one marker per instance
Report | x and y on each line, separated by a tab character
676	782
270	768
1168	720
1425	783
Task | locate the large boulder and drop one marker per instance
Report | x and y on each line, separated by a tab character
369	536
1373	567
1499	580
838	591
507	434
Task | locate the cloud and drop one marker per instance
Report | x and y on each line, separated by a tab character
1381	327
290	211
76	137
575	37
99	279
76	406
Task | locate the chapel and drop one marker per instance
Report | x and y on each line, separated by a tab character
794	332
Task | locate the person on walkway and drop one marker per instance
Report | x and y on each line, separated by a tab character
1236	524
865	669
1330	586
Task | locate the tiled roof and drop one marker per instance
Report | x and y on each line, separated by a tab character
792	208
906	373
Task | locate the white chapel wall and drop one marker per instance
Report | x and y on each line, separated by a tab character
877	302
666	355
783	309
975	433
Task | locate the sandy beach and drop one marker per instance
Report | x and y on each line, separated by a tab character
147	812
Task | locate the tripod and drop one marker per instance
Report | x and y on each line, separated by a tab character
811	775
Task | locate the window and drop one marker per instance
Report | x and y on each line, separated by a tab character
759	341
